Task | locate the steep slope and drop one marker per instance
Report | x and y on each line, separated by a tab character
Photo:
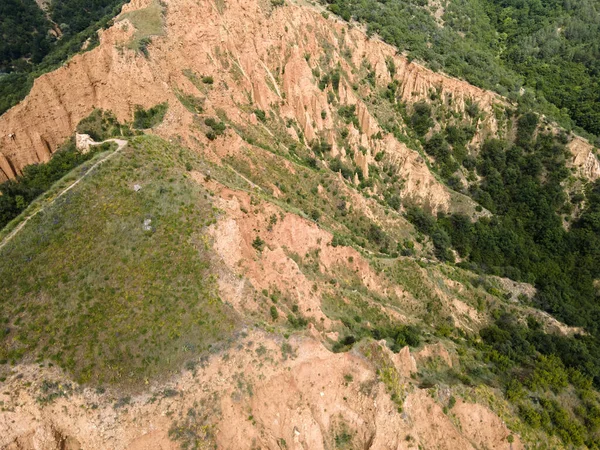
38	36
521	48
259	397
243	273
261	52
265	381
258	50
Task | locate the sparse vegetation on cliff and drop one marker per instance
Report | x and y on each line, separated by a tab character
101	125
149	118
548	49
148	22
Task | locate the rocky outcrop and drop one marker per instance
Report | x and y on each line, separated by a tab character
44	437
254	398
83	142
255	53
584	160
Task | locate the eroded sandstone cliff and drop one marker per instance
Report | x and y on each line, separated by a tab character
258	55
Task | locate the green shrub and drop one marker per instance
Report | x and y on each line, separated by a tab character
144	119
348	113
549	373
472	108
530	415
217	128
451	402
192	103
274	313
297	321
260	115
421	120
143	44
515	390
335	80
101	125
258	244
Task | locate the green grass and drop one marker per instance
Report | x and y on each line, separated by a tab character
355	311
148	22
84	286
193	104
57	188
202	82
408	274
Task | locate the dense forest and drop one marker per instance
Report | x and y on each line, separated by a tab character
34	41
521	183
550	48
541	233
24	31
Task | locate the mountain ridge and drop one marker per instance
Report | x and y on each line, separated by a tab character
85	78
283	173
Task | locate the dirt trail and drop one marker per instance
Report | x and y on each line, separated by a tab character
121	145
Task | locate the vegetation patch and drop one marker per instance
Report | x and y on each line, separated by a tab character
332	205
548	378
193	104
149	118
196	429
216	128
148	22
101	125
29	49
386	371
367	319
500	45
114	284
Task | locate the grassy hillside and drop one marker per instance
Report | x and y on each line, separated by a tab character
112	284
38	178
